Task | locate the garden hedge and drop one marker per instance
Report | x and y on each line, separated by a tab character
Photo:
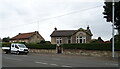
88	46
41	46
91	46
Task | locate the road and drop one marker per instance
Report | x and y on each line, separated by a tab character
55	60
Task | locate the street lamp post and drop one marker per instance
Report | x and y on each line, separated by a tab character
113	10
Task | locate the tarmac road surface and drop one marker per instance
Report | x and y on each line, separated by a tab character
55	60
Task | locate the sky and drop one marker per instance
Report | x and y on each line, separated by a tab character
22	16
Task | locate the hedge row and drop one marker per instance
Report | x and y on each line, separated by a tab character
89	46
6	44
41	46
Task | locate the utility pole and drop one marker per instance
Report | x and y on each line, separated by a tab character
38	25
113	14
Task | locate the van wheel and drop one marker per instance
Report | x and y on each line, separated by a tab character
6	52
17	52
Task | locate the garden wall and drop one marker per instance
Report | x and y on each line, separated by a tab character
76	52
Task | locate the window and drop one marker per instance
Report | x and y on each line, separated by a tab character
22	45
12	45
59	40
80	39
16	47
69	40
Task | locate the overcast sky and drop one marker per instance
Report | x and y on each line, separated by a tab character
22	16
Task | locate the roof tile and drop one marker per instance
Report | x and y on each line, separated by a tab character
23	35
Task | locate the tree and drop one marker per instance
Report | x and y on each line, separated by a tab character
116	38
6	39
108	13
100	39
42	42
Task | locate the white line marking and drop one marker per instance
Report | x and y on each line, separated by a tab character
66	66
38	62
54	64
41	62
44	63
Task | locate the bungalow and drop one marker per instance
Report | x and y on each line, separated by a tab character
31	37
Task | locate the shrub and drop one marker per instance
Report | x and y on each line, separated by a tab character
6	44
91	46
87	46
41	46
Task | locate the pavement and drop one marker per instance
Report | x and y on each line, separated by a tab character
56	60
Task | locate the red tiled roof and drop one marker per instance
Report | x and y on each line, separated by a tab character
23	35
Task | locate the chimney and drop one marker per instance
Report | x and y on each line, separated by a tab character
19	33
88	27
36	31
55	29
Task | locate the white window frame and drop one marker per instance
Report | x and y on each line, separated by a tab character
78	38
58	40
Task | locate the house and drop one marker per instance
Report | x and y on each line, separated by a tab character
71	36
31	37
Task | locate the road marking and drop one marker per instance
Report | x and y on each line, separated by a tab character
38	62
41	62
44	63
54	64
66	66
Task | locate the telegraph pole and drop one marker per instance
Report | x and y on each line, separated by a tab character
38	25
113	14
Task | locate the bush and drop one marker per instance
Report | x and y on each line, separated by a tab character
6	44
91	46
41	46
117	46
88	46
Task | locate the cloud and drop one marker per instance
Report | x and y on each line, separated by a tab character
19	16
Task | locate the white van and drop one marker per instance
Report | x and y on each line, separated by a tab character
16	48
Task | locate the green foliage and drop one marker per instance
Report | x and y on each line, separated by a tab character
100	39
6	44
6	39
108	13
91	46
41	46
42	42
34	46
117	46
93	41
